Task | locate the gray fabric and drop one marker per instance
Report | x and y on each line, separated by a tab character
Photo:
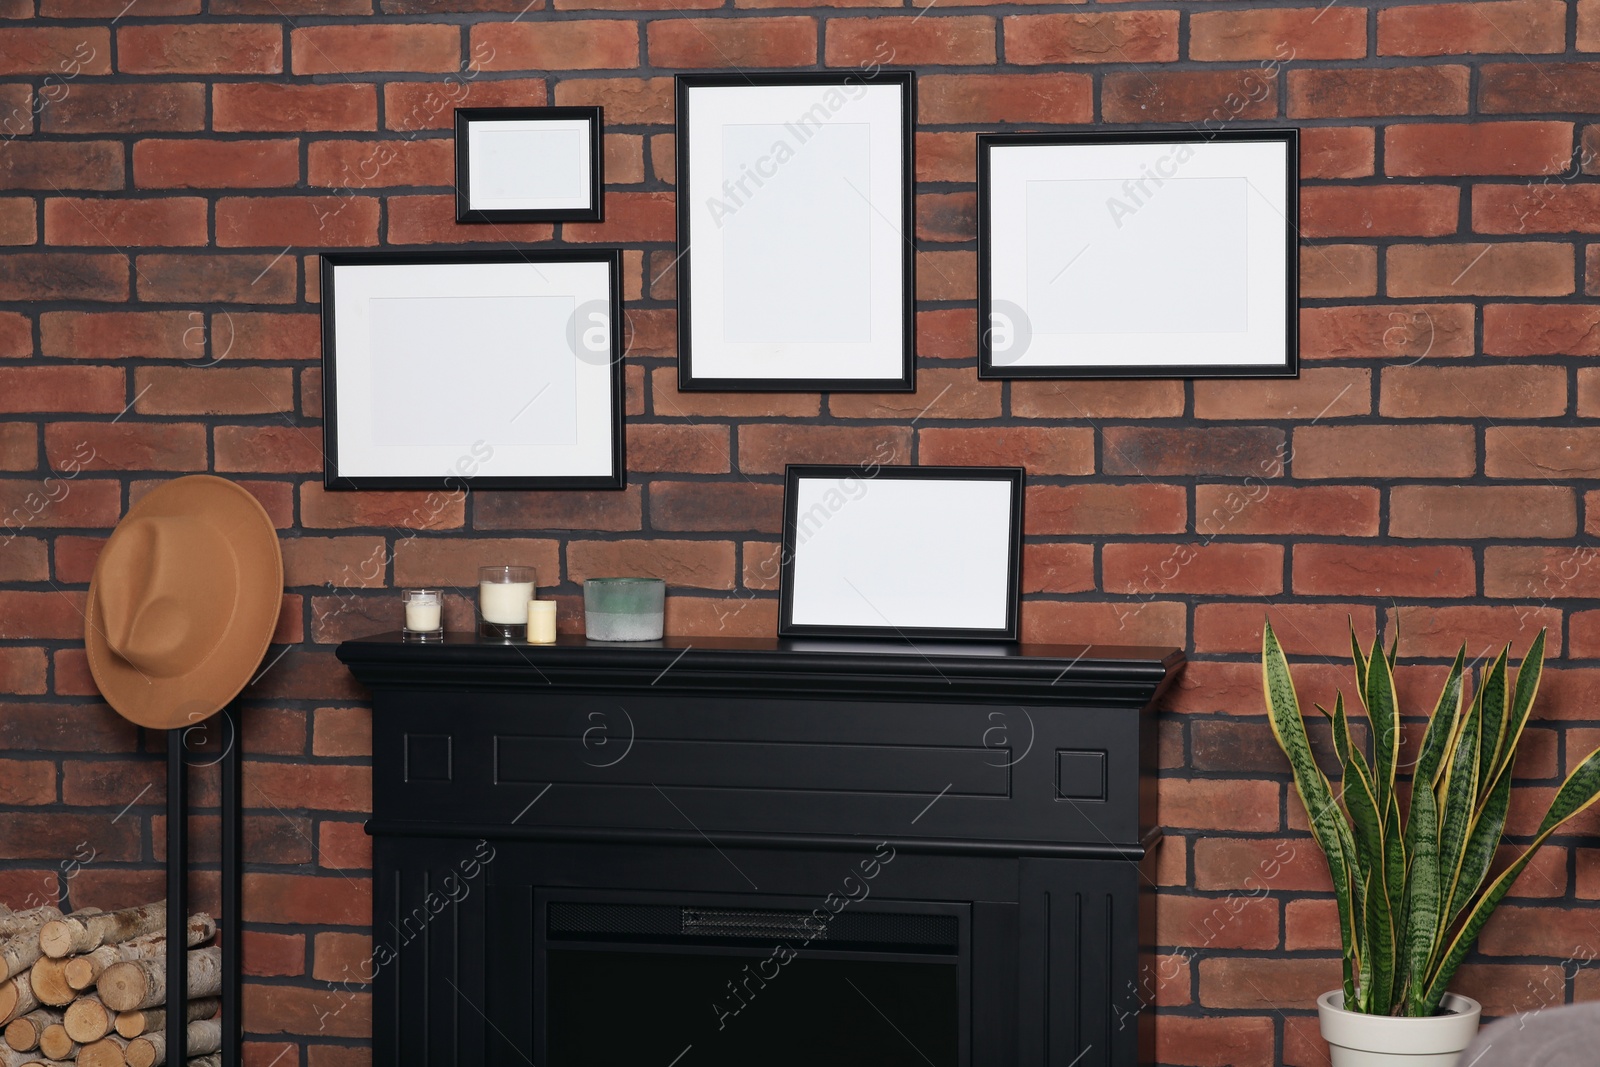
1567	1036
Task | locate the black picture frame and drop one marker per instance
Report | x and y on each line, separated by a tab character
907	524
466	117
1000	327
903	376
337	476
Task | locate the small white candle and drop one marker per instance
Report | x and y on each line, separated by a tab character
505	603
422	612
542	622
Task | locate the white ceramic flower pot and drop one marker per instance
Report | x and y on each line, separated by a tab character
1356	1040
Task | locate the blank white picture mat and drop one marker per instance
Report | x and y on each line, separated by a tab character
517	386
1187	246
901	552
814	208
528	164
365	289
1262	164
711	109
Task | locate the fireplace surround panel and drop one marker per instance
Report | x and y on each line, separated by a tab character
761	852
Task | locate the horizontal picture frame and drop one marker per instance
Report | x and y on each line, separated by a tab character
487	370
901	552
1138	254
795	258
529	164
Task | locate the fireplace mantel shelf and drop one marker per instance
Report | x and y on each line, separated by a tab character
1036	674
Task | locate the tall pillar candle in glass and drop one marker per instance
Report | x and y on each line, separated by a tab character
503	596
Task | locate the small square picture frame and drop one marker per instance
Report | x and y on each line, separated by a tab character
901	552
1138	254
472	370
529	164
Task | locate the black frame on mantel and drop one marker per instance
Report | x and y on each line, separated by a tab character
453	481
905	380
1289	368
465	116
794	474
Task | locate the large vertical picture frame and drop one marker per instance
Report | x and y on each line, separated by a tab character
795	255
488	370
1138	254
901	552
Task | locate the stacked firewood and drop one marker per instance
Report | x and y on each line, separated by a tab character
91	988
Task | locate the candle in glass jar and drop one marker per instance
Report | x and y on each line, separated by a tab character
422	611
505	602
542	622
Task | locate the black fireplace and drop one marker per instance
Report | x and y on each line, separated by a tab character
709	853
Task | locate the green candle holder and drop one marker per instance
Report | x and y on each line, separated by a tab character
624	609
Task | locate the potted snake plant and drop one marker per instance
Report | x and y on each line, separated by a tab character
1413	893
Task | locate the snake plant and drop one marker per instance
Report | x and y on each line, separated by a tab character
1413	895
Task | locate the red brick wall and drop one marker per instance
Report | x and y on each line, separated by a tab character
168	176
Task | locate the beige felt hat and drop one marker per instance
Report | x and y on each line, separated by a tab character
183	602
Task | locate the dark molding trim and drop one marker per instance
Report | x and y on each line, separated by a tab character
1031	674
411	829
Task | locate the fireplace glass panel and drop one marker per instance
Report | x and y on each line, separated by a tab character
710	1008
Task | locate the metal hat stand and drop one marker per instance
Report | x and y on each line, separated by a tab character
178	891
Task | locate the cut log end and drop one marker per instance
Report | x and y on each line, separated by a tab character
109	1051
56	1043
82	972
57	936
131	1024
143	983
23	1034
87	1019
87	930
147	1051
49	981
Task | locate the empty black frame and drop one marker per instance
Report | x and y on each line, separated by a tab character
899	378
1003	324
467	116
462	475
897	523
